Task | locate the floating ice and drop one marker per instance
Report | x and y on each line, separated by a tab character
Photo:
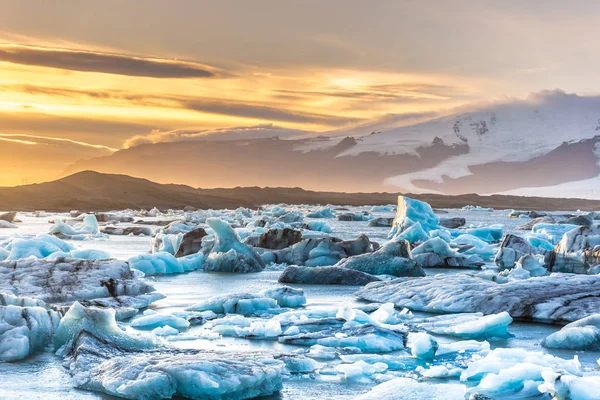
40	246
299	364
411	212
489	234
515	372
583	334
243	303
579	239
26	327
158	320
555	298
87	228
103	358
164	263
423	346
319	252
392	259
387	314
7	225
166	243
329	275
469	326
321	213
360	369
368	338
553	232
228	253
286	296
318	226
106	283
569	387
406	388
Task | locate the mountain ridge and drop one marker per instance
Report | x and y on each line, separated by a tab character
94	191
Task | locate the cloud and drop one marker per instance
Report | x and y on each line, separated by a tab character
235	133
208	105
34	139
88	61
79	129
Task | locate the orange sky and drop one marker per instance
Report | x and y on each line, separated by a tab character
116	74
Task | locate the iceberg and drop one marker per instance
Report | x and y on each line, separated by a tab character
515	372
360	369
550	299
157	320
87	228
407	388
286	296
579	239
243	303
319	252
102	358
423	346
411	212
321	213
368	338
569	387
26	327
583	334
392	259
164	263
191	242
469	326
328	275
40	246
106	283
228	253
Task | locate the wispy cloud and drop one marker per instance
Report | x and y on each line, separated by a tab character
119	64
27	139
241	132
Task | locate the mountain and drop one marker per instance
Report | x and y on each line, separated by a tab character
550	138
93	191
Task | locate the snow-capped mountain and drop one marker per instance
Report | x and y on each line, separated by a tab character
550	138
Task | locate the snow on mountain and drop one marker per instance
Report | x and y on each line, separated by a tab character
509	131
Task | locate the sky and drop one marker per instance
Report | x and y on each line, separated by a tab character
107	75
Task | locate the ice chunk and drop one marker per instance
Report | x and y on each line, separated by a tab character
406	388
88	227
7	225
329	275
321	352
468	244
469	326
553	232
489	234
423	346
158	320
165	331
319	251
286	296
579	239
299	364
40	246
228	253
106	283
26	327
360	369
387	314
555	298
569	387
392	258
440	372
321	213
583	334
243	303
368	338
84	254
318	226
103	358
166	243
501	359
411	212
164	263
